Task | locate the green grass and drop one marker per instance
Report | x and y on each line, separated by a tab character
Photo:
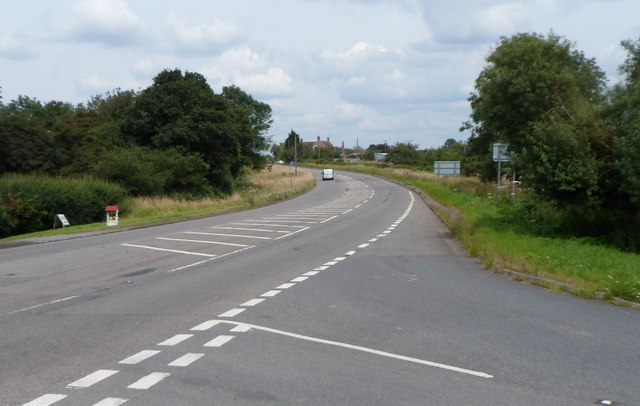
486	233
262	188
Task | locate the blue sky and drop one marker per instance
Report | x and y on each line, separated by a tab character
358	71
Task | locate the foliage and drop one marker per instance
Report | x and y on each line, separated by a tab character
30	202
404	154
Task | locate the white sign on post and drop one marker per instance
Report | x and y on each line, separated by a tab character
446	168
62	219
501	153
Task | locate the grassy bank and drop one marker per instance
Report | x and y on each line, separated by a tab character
592	269
260	188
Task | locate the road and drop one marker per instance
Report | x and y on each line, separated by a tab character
353	294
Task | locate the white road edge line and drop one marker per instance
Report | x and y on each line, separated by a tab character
364	349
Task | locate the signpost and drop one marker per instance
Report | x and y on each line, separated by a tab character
62	219
500	154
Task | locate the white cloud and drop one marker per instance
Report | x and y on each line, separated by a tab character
358	55
109	22
275	83
14	47
201	38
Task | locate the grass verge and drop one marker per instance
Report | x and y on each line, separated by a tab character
261	188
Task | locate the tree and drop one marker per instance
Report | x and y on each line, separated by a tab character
529	77
404	154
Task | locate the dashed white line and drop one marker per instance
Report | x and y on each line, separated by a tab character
149	380
311	273
270	293
46	400
321	268
139	357
206	325
329	219
365	245
285	286
339	259
177	339
232	312
349	253
186	360
252	302
111	402
330	263
92	379
219	341
300	279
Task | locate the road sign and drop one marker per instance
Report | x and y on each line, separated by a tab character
446	168
501	153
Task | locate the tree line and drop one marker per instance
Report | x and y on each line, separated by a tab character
175	137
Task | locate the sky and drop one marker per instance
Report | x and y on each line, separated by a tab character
355	71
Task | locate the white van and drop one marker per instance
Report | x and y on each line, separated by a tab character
327	174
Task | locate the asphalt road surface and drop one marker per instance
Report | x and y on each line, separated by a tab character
353	294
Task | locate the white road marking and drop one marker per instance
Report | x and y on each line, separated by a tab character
267	224
249	229
149	380
367	350
252	302
111	402
219	341
329	219
186	360
92	379
330	263
270	293
139	357
321	268
42	304
311	273
288	221
210	259
349	253
300	279
176	339
347	211
239	236
200	254
373	240
201	241
285	286
365	245
230	244
240	329
206	325
339	259
232	312
292	233
46	400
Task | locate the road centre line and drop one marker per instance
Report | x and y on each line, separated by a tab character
363	349
300	279
46	400
219	341
200	254
41	305
206	325
139	357
176	339
148	381
270	293
186	360
200	241
252	302
232	312
111	402
285	286
91	379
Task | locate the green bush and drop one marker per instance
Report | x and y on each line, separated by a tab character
30	202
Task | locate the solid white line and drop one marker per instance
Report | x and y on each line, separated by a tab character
111	402
42	304
206	325
270	293
46	400
252	302
285	286
176	339
347	211
149	380
292	233
232	312
200	241
300	279
139	357
329	219
169	250
92	379
186	360
367	350
219	341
